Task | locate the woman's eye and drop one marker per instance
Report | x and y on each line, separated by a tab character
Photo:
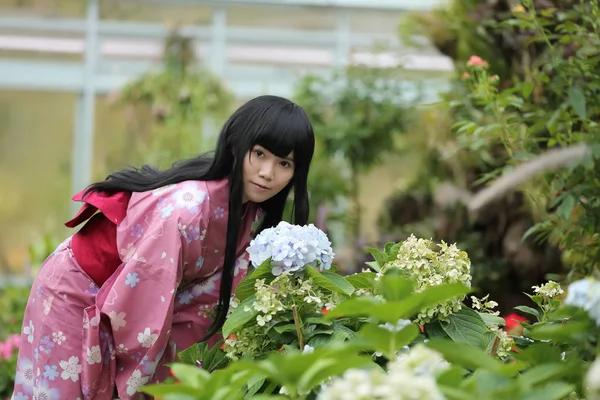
259	153
285	164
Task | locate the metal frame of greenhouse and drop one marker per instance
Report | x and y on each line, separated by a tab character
252	60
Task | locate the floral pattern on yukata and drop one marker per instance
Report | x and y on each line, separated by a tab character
83	341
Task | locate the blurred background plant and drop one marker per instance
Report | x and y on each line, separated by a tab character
358	113
173	112
526	81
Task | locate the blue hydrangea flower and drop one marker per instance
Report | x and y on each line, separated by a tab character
291	248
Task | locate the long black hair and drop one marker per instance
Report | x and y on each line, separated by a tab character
273	122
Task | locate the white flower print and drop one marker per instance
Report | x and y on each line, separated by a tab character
166	211
117	320
43	391
132	279
207	287
71	369
189	197
24	374
58	337
86	322
48	305
93	355
147	338
203	234
28	330
135	382
121	349
128	253
240	264
20	396
185	297
219	212
200	262
182	230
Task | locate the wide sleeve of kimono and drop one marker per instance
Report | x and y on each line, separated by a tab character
139	298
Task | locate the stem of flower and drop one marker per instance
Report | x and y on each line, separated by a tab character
495	346
298	330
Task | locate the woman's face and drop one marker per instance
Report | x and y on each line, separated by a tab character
265	174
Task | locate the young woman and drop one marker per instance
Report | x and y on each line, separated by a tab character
152	270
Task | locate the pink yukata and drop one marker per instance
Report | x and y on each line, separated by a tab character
81	341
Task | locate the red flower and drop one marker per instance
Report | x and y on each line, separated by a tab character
324	311
513	322
232	336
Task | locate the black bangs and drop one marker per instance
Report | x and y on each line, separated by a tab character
283	128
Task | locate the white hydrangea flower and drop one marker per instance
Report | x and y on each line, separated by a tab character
419	360
274	301
485	305
585	294
505	344
411	376
432	268
550	289
401	324
592	381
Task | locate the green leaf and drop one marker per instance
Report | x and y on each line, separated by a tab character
528	310
395	287
543	373
454	393
240	316
465	355
246	288
298	371
492	320
380	257
212	358
254	384
577	101
329	281
466	326
526	89
285	328
434	330
392	311
362	280
552	391
190	375
572	332
364	305
317	319
385	341
374	265
539	353
487	383
185	392
566	207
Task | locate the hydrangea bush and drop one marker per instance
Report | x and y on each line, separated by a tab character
397	330
420	262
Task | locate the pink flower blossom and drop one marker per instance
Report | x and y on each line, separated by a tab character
476	61
6	348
